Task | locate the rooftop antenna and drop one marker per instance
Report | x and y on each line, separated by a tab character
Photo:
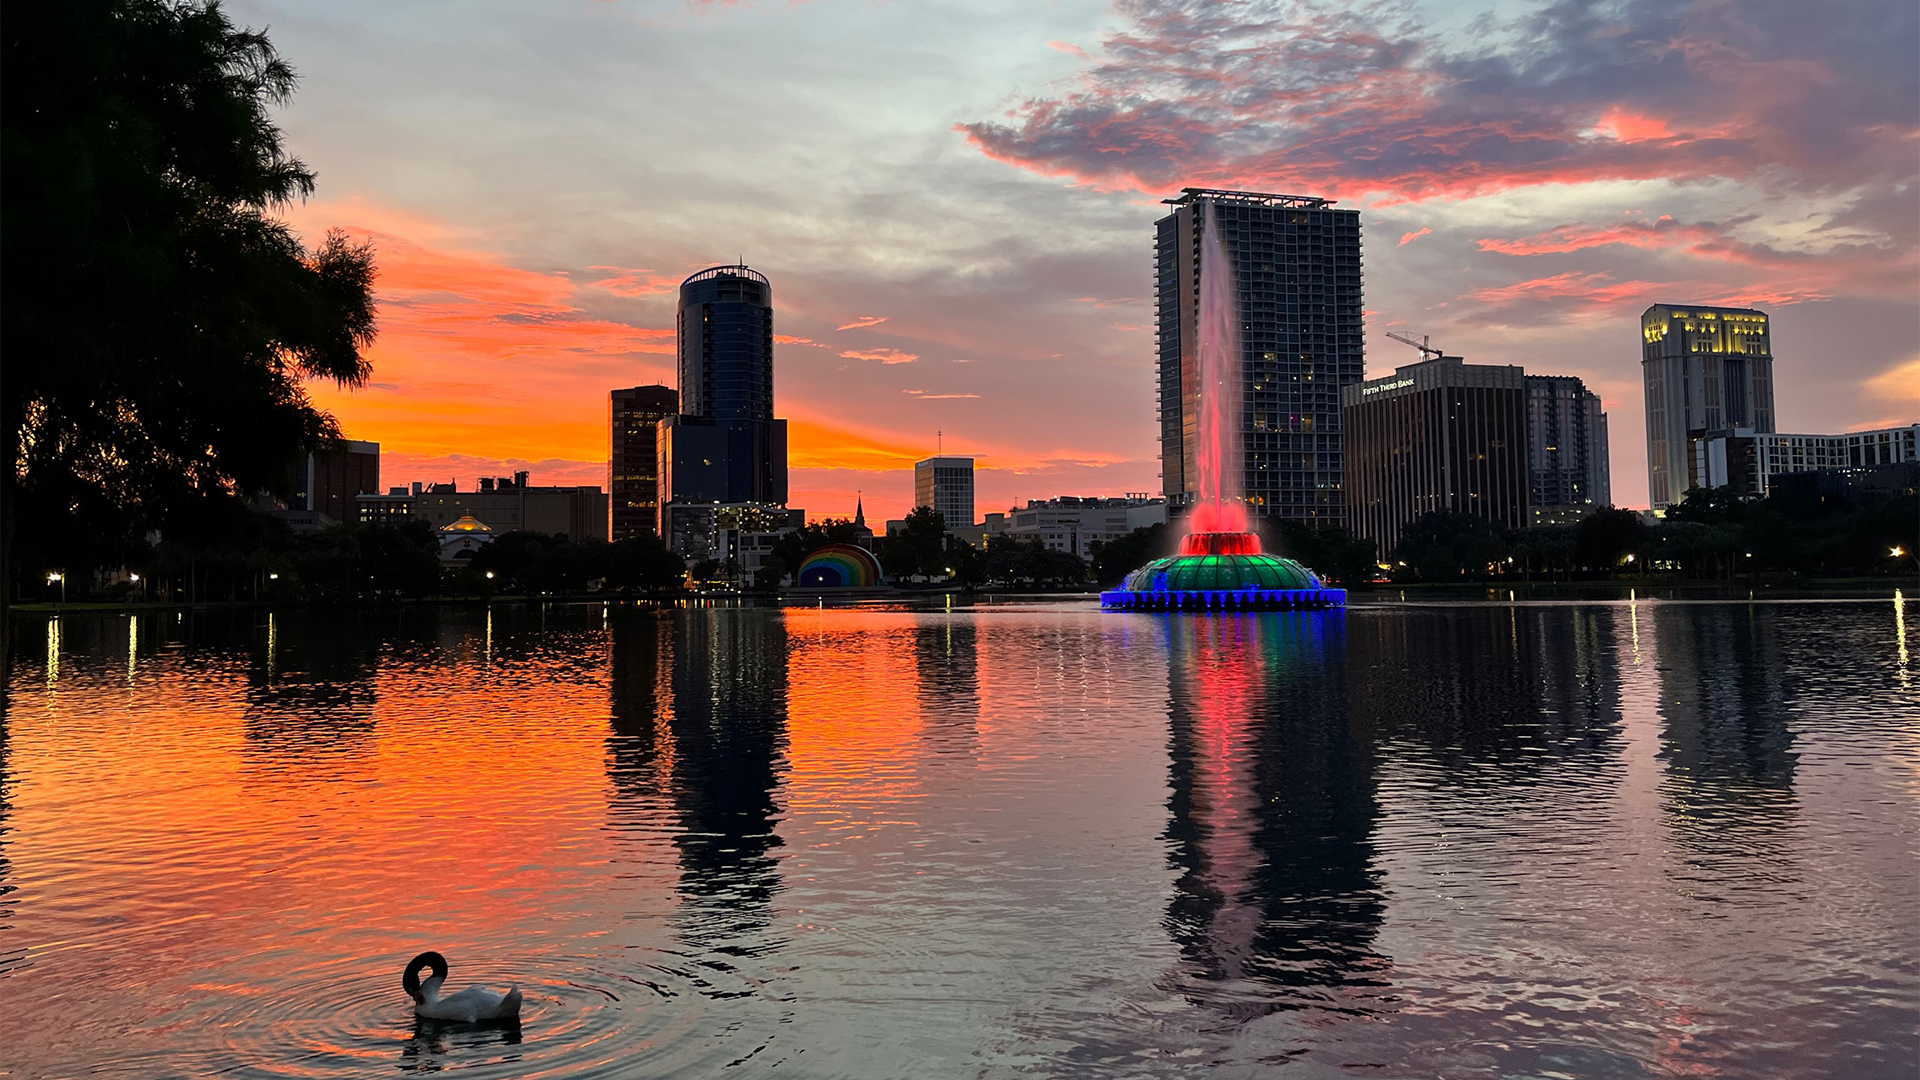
939	442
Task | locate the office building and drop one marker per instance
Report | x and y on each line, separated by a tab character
1566	450
330	480
724	446
1751	462
633	457
1296	262
1705	369
1437	435
946	484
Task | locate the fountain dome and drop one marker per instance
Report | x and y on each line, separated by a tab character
1222	571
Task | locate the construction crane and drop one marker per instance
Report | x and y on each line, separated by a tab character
1427	351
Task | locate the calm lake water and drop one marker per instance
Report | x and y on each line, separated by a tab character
1471	840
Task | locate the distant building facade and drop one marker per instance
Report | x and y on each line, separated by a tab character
946	485
1567	466
741	533
505	504
724	447
1854	483
1441	434
1705	369
1751	462
1075	524
330	481
633	457
1296	266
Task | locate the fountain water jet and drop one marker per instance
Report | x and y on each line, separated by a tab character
1220	566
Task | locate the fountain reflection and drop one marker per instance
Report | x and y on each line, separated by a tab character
1272	818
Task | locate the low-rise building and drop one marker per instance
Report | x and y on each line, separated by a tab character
1075	523
742	532
393	508
510	504
1748	461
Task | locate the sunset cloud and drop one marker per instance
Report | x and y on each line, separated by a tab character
1370	103
623	282
884	355
922	395
1557	166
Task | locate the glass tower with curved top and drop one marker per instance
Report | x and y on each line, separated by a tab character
726	344
724	454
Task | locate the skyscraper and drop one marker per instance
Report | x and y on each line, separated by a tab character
1437	435
1566	449
724	447
946	484
633	461
1705	369
1297	275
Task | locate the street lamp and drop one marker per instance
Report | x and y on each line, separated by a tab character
56	576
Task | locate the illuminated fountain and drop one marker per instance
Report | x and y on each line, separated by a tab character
1220	566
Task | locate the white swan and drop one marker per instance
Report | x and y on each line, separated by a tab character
470	1006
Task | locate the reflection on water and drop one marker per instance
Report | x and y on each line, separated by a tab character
1491	839
1273	810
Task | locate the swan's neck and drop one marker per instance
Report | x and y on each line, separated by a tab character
430	990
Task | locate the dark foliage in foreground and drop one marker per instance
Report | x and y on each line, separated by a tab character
159	324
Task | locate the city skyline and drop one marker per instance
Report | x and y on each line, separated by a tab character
970	258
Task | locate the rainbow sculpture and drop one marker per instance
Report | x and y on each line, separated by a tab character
840	566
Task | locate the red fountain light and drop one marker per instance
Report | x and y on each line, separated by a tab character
1220	543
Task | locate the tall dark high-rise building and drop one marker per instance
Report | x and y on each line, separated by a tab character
1437	435
1296	263
1706	369
633	457
1566	449
724	446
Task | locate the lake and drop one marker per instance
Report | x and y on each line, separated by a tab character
1554	839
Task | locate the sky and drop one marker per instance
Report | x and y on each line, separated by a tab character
955	204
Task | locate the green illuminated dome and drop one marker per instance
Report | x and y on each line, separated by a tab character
1220	573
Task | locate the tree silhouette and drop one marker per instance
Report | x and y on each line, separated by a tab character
159	323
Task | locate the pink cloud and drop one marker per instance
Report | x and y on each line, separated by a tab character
1067	47
864	321
1408	238
922	395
